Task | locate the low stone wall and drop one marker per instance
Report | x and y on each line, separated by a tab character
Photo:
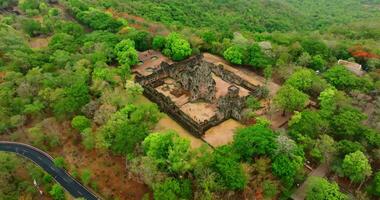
168	106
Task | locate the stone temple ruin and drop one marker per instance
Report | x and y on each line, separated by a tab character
194	92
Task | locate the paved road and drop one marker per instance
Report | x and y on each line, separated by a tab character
45	162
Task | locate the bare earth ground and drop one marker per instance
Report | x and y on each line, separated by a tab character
223	133
39	42
108	171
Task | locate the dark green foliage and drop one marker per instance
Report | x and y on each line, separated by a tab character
142	39
7	3
63	41
170	152
347	123
286	167
375	187
308	124
253	141
320	188
231	174
172	189
345	147
128	127
257	57
70	28
159	42
99	20
315	47
31	27
72	100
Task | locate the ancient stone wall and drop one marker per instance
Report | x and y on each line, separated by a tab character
195	76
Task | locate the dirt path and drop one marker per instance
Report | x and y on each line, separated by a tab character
320	171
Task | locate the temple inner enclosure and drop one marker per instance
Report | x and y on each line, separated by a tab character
196	93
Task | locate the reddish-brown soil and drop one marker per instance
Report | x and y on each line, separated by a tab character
108	171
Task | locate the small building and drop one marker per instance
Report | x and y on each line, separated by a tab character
353	67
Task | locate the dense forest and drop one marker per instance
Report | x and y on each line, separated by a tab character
75	84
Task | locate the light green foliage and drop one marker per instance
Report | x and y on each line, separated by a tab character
343	79
254	141
234	55
177	47
133	89
57	192
253	103
356	166
86	176
307	81
320	188
126	52
59	162
270	189
88	138
318	63
128	127
169	151
80	123
290	99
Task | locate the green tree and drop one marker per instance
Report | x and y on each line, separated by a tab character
126	52
230	171
318	63
57	192
128	127
287	167
169	151
63	41
80	123
257	57
257	140
342	79
356	166
375	186
307	123
159	42
172	189
86	176
347	123
320	188
177	47
290	99
59	162
31	27
88	138
234	55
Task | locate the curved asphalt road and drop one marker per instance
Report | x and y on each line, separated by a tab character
42	159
